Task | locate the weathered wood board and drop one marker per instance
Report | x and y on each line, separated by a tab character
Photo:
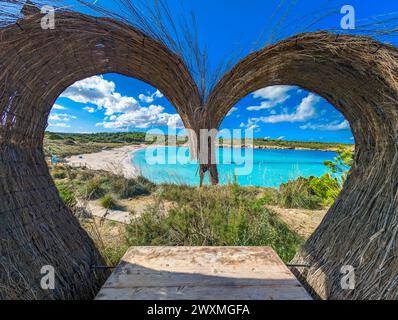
202	273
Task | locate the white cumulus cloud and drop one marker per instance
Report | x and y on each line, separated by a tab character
233	110
100	92
60	125
89	109
61	117
122	112
143	118
150	98
304	112
273	96
58	107
251	125
334	126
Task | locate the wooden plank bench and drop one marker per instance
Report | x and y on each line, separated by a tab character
202	273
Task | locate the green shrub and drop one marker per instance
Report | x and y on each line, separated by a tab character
85	175
69	142
118	185
113	254
53	136
137	190
94	189
213	216
58	173
342	162
314	192
178	193
268	197
145	182
326	187
127	188
108	202
298	194
66	193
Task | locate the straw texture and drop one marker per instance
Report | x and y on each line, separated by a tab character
36	66
358	75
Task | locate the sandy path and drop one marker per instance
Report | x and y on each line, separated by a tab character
303	221
116	161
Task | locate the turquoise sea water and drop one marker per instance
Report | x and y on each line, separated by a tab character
269	168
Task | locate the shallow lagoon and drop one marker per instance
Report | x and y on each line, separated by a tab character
263	167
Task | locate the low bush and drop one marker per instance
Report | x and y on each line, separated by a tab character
173	192
149	185
127	188
314	193
66	193
94	189
326	188
85	175
108	202
213	216
53	136
58	173
298	194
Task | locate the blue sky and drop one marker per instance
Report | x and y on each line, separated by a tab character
113	102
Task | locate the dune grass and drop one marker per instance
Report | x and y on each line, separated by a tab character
213	216
93	185
229	215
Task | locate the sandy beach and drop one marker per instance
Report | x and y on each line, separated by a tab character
116	161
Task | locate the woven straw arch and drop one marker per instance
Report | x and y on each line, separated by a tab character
35	67
357	75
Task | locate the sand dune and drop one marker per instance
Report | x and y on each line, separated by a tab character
116	161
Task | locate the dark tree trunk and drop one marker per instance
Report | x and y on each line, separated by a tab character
214	179
210	167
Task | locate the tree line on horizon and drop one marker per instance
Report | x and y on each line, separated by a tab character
141	137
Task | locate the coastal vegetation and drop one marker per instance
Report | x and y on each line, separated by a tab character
95	185
68	144
290	144
231	215
317	192
312	145
108	202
